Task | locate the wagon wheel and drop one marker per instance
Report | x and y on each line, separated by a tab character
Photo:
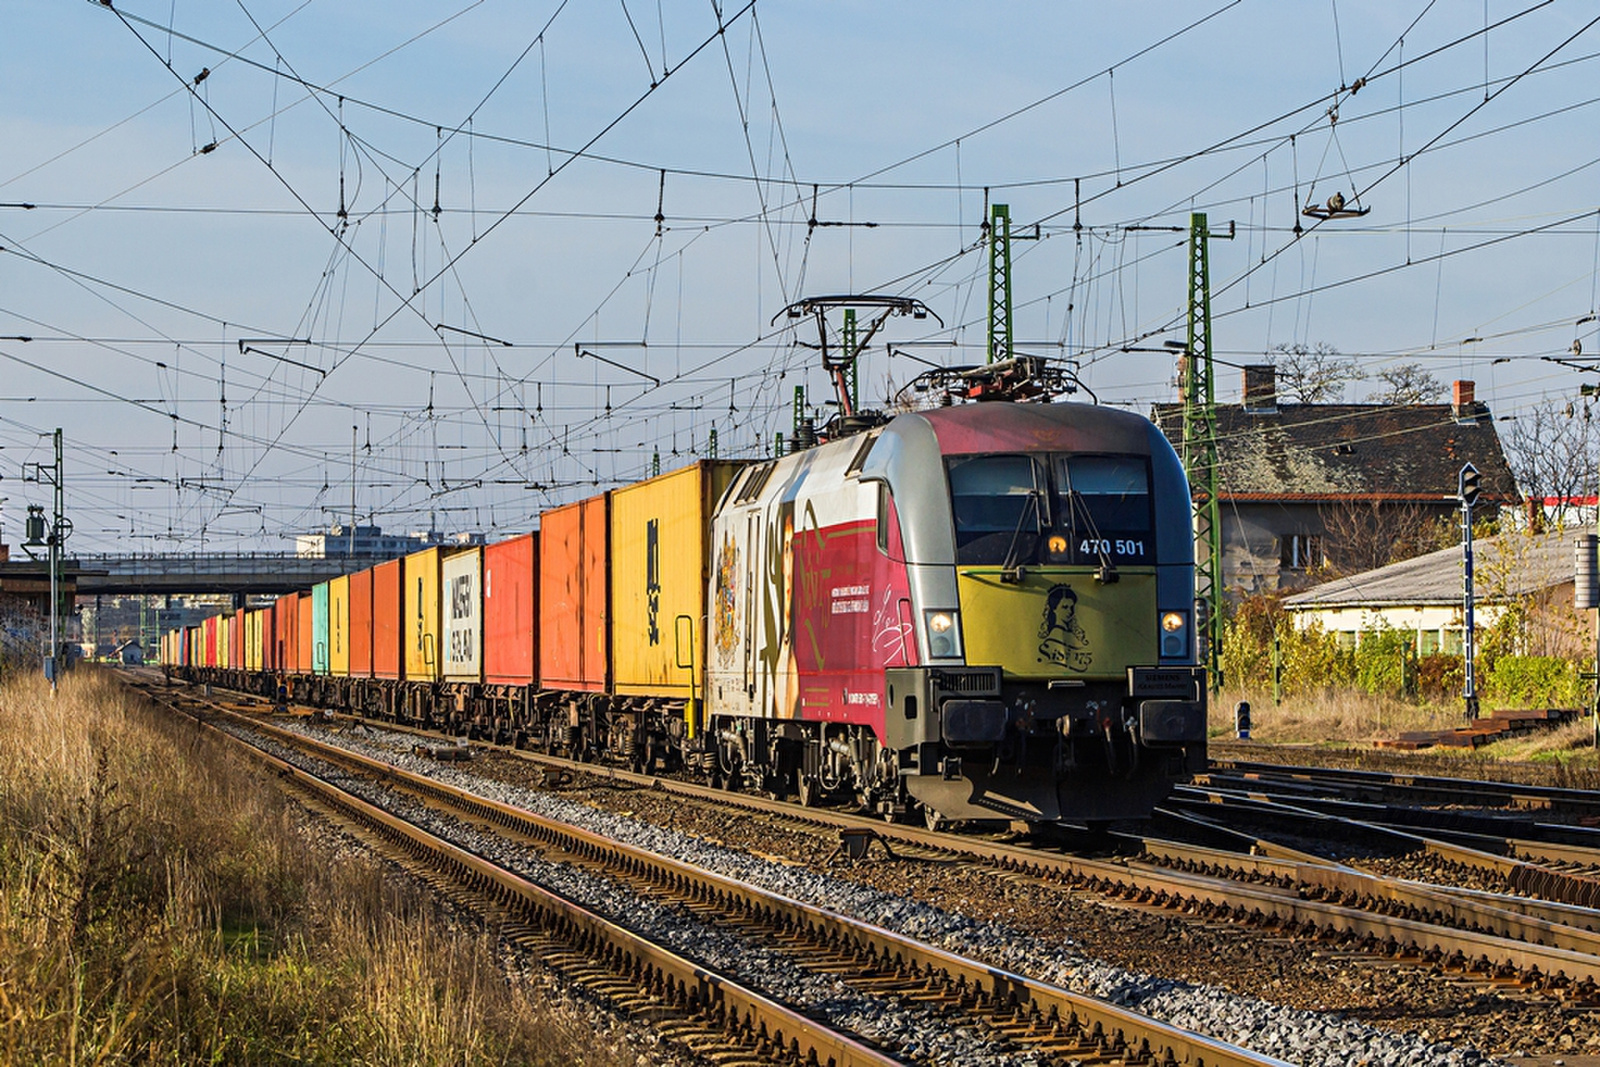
645	762
810	790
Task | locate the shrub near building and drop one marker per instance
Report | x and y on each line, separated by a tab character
1384	663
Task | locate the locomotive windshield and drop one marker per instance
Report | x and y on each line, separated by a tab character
1051	509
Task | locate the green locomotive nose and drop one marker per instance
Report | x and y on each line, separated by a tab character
1058	622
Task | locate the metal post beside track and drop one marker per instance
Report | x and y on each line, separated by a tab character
1467	491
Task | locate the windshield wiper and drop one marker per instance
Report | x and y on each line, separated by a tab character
1010	570
1108	570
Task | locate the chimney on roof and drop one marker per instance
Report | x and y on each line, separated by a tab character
1464	407
1261	389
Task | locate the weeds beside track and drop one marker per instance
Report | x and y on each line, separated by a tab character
157	903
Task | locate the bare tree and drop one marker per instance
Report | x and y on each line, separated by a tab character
1553	448
1407	383
1364	535
1312	375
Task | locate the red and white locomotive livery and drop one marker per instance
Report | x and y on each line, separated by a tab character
982	611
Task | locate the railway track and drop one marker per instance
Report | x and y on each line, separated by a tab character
1012	1011
1492	938
1388	787
1554	863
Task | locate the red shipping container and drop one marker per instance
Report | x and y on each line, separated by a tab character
574	648
387	606
288	627
269	637
288	616
210	628
304	632
511	611
361	624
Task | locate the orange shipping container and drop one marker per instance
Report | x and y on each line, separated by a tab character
289	632
283	632
305	634
388	605
510	611
361	624
573	645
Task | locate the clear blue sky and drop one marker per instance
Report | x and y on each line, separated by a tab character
207	330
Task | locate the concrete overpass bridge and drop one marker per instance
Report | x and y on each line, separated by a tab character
177	575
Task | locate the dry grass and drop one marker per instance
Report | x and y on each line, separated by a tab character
1330	717
158	903
1354	719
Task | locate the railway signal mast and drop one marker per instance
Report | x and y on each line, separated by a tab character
1468	489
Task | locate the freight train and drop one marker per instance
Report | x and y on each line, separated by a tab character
979	612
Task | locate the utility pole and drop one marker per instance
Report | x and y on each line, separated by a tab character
1200	450
350	545
60	529
1000	334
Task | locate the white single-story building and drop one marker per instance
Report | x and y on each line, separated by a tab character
1425	594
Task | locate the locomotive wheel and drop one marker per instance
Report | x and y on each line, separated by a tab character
933	820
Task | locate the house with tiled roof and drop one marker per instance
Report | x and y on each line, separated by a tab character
1304	486
1423	595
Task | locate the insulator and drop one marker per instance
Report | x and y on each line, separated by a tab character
805	435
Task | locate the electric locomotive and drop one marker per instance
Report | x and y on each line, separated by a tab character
983	611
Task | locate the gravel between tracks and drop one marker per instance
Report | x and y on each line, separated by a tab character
911	1030
1016	925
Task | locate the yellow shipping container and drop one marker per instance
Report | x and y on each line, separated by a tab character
252	640
339	626
659	533
420	634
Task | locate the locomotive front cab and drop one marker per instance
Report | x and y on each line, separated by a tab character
1052	562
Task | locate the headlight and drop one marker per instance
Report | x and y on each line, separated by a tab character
944	634
1174	634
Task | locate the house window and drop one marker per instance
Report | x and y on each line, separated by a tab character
1298	552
